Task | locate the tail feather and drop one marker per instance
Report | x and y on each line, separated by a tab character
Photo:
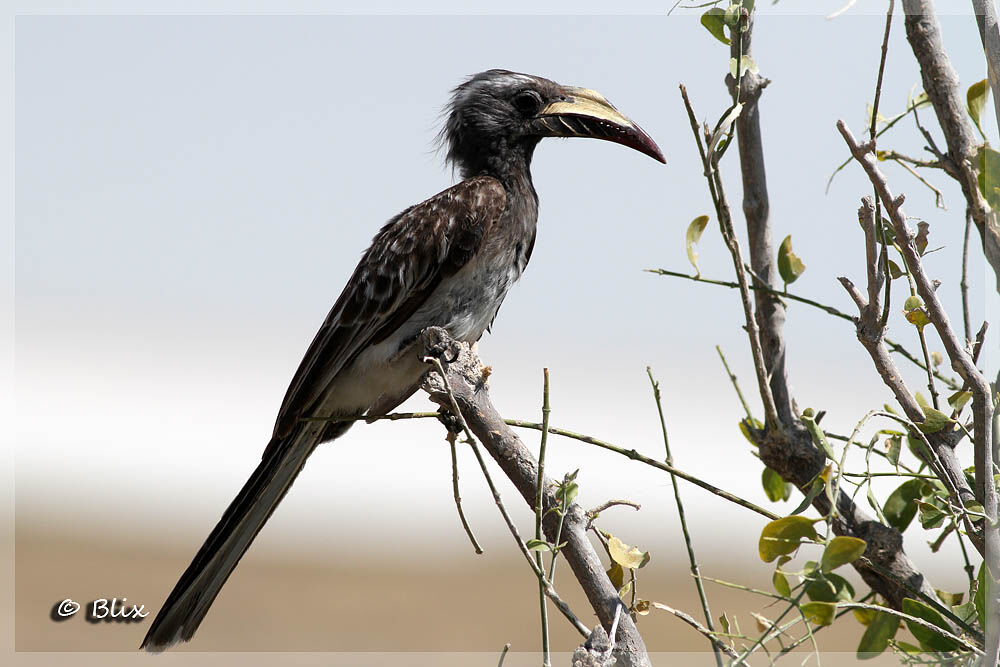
187	604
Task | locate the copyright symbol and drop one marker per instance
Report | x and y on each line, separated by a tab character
63	610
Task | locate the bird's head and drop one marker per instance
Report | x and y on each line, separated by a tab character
495	118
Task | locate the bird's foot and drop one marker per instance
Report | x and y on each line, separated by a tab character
439	343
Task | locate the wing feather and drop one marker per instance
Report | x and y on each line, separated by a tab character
407	260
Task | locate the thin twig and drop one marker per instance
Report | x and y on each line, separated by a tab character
636	456
916	621
964	284
503	654
911	108
629	453
458	498
736	384
549	590
938	195
890	343
607	504
680	514
724	215
716	644
539	510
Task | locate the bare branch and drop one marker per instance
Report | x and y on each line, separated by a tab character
989	33
465	393
772	419
441	390
716	644
941	85
961	361
770	312
458	498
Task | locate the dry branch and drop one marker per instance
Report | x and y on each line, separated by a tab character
941	85
987	541
465	377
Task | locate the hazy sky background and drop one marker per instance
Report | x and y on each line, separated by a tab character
192	192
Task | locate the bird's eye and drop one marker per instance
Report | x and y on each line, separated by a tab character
528	102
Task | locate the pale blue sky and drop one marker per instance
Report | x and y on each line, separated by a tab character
193	191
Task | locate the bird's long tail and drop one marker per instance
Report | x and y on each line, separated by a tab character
197	588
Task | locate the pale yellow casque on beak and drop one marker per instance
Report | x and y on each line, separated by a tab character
582	112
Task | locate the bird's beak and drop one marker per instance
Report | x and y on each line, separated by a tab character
581	112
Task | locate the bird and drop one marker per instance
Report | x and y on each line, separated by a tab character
447	262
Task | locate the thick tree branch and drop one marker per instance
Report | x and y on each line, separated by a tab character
941	85
790	450
467	382
770	311
989	33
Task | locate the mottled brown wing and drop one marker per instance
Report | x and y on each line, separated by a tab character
408	258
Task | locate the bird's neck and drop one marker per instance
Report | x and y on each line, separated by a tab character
507	161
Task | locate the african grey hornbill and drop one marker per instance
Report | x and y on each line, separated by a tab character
446	262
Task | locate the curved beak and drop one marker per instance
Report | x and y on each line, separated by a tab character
582	112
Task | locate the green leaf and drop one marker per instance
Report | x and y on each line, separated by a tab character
929	639
780	582
966	612
814	490
617	575
876	638
732	15
959	399
874	503
988	161
567	493
830	588
820	613
950	599
789	265
714	21
864	616
783	536
750	423
923	230
976	98
818	436
694	232
980	598
888	230
625	555
931	516
894	270
934	420
774	486
538	545
840	551
894	446
746	65
901	505
918	448
913	302
918	318
724	622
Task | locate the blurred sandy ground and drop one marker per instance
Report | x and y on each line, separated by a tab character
349	610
